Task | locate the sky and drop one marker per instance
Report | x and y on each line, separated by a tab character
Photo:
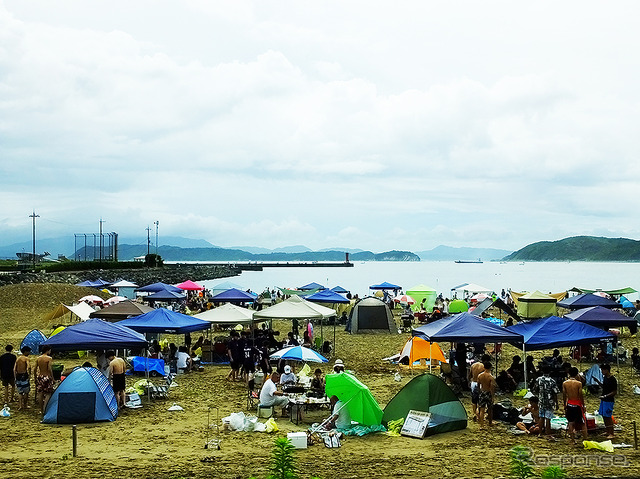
372	125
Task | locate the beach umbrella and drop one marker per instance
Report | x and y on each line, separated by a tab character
189	285
299	353
91	298
115	300
362	406
404	299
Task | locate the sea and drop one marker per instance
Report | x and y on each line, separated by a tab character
444	275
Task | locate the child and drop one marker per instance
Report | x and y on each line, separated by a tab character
532	408
317	383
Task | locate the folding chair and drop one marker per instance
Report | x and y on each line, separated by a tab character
162	391
252	395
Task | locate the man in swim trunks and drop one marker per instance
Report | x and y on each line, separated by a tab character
487	385
116	370
21	371
609	390
7	363
44	377
548	396
574	405
475	369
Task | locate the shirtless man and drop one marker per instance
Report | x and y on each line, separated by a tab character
574	405
487	385
21	370
474	371
116	370
44	377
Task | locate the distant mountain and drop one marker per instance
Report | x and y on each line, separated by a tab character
178	241
346	250
449	253
580	248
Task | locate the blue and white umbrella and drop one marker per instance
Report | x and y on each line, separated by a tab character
299	353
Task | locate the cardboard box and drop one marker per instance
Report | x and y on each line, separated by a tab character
298	439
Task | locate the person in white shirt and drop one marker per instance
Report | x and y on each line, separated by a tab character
184	360
269	394
288	377
340	417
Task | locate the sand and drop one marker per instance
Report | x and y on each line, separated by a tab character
153	442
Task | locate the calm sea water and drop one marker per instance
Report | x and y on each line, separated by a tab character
444	275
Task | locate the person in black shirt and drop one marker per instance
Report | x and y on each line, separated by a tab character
609	389
235	355
249	355
7	362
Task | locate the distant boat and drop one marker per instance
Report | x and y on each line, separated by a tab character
463	261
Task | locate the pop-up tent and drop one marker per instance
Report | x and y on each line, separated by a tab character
535	304
420	292
223	286
84	396
587	300
603	318
98	283
165	296
465	328
233	295
33	339
417	348
458	306
311	286
356	397
189	285
120	311
227	314
430	394
371	315
326	296
470	288
162	320
155	287
96	334
555	332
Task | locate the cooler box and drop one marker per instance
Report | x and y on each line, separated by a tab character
591	422
298	439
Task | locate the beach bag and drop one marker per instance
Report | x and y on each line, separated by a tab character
331	441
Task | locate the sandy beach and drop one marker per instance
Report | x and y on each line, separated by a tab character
153	442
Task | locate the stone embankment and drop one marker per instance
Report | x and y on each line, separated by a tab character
170	274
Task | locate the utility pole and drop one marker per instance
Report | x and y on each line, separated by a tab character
156	223
101	242
148	239
34	216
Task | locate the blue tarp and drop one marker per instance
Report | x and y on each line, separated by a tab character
310	286
96	334
555	332
33	339
385	285
326	296
587	300
162	320
140	364
601	317
467	328
234	294
155	287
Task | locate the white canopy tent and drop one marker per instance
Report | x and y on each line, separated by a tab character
227	314
471	288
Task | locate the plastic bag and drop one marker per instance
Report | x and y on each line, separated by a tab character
5	411
271	425
606	446
249	423
236	421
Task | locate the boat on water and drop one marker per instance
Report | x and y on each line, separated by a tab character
465	261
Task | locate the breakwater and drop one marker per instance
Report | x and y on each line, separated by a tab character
170	274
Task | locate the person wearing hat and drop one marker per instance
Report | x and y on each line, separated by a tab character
338	366
288	377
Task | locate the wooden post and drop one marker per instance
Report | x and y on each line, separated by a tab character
635	436
74	435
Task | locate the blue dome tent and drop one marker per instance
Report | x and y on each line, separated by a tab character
84	396
33	339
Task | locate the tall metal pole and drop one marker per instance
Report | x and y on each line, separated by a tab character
101	241
34	216
156	223
148	239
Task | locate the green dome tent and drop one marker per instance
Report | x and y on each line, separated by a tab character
458	306
428	393
418	293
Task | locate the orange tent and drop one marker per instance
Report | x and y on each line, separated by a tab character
417	348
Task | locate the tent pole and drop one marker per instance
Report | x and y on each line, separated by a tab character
334	336
430	355
147	374
495	348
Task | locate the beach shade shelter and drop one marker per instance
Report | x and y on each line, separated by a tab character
155	287
417	348
189	285
458	306
33	339
471	288
310	286
233	295
326	296
120	311
96	334
603	318
385	286
431	394
587	300
299	353
165	295
339	289
81	310
372	315
85	396
162	320
536	305
226	314
421	292
362	406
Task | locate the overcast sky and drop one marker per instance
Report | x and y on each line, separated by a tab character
362	124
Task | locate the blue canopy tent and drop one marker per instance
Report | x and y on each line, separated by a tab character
156	287
98	283
326	296
162	320
587	300
96	334
603	318
385	285
165	295
310	286
339	289
234	295
465	328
